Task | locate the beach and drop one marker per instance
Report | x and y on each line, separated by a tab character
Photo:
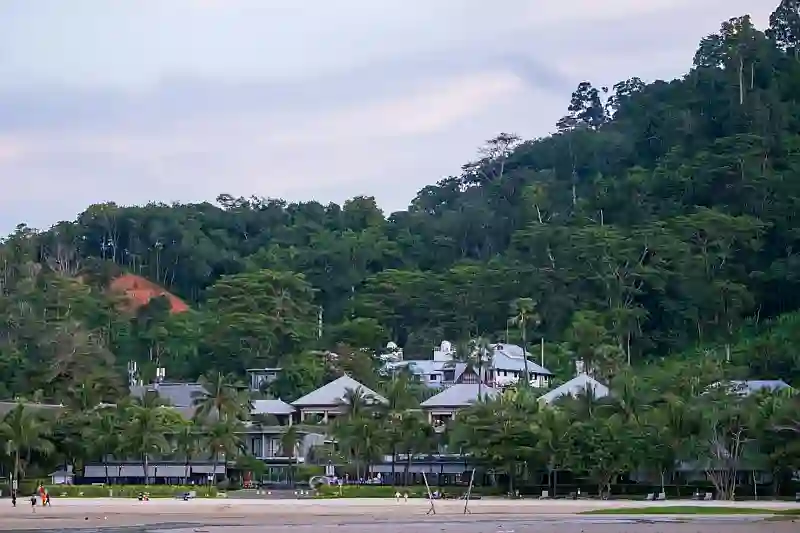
377	515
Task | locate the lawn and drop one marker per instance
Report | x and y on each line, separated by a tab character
693	510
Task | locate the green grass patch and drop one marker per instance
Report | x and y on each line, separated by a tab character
693	510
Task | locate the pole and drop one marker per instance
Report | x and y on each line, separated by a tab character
469	492
432	510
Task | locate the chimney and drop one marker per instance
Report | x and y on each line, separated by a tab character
579	367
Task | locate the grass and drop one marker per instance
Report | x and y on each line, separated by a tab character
693	510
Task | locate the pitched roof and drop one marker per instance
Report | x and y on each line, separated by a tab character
334	392
756	385
271	407
512	357
574	387
177	394
460	395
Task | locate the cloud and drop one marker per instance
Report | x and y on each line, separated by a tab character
182	100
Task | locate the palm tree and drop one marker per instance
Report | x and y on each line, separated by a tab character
25	431
187	445
102	433
145	429
481	354
524	312
290	440
223	439
225	398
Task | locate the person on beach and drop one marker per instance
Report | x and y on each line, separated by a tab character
33	502
14	498
46	502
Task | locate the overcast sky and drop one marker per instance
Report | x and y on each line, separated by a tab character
180	100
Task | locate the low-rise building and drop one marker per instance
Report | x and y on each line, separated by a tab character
505	366
330	400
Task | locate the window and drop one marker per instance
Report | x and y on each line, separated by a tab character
433	377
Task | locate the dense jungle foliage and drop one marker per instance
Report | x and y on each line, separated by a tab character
660	221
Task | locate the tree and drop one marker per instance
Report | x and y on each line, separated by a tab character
222	438
103	432
145	430
784	26
225	398
188	438
523	313
24	431
290	441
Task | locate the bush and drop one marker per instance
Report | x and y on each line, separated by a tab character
388	491
127	491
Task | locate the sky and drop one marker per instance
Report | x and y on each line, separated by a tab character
134	101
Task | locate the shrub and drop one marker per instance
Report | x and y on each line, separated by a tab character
127	491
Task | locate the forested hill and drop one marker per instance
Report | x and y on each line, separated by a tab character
661	220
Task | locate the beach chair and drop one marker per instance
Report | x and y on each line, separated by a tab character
650	496
708	497
661	497
545	495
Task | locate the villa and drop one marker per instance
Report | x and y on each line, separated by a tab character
504	366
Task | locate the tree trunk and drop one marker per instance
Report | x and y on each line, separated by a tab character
394	460
186	472
105	465
525	353
408	467
214	468
145	465
16	468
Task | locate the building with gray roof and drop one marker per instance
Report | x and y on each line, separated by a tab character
442	407
505	366
329	400
577	385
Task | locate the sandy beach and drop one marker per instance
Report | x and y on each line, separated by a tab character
372	515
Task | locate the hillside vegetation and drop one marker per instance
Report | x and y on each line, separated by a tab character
660	221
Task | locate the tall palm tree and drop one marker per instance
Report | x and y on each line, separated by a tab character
187	445
290	441
225	398
145	429
24	430
102	434
224	441
523	313
481	354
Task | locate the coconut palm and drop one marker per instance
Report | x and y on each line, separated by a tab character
147	423
25	431
102	433
225	398
290	441
222	438
524	313
187	445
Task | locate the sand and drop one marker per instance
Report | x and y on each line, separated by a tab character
376	516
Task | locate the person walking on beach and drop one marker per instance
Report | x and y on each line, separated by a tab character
46	501
14	498
33	502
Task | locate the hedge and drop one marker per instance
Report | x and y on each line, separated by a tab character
117	491
388	491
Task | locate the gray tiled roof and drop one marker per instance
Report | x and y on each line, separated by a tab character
576	386
271	407
177	394
511	357
756	385
333	393
460	395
